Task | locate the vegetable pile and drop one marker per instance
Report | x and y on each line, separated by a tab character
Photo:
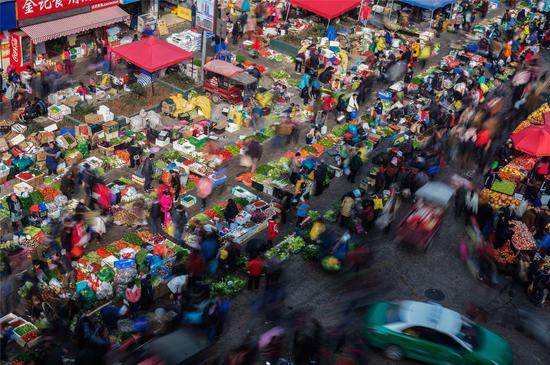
228	286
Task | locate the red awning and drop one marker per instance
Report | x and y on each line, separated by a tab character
222	68
75	24
328	9
152	54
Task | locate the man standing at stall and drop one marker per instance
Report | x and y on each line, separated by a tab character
147	171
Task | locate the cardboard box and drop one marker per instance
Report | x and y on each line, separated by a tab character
40	165
14	141
93	118
46	137
110	127
33	138
3	145
19	128
61	142
74	158
41	156
83	131
71	141
72	101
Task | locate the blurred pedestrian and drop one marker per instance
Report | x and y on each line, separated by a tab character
204	189
155	216
147	171
272	230
166	207
255	269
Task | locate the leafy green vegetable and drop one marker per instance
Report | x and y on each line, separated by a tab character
330	215
310	149
241	201
133	238
36	197
234	150
229	286
314	215
311	253
201	219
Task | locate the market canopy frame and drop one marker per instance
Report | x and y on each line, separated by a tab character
152	54
328	9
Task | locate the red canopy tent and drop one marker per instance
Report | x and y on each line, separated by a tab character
152	54
328	9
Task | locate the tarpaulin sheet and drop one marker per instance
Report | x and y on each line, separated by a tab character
428	4
152	54
328	9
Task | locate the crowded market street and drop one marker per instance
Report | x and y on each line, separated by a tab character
335	182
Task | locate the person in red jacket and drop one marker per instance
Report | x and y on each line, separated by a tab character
272	230
255	269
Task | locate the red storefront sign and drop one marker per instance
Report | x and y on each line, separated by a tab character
33	8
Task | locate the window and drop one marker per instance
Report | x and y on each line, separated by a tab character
392	314
434	336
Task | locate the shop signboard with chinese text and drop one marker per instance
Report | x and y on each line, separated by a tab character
206	12
32	8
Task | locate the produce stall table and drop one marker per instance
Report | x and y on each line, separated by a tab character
24	332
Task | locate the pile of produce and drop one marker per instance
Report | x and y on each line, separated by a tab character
537	117
311	253
228	286
523	163
331	263
505	255
292	244
279	75
498	200
509	173
124	217
522	239
521	126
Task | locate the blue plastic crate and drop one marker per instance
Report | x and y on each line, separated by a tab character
385	95
161	272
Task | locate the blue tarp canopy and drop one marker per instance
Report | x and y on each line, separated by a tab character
428	4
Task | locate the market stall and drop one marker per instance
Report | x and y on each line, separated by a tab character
151	54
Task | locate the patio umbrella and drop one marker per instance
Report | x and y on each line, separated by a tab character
533	140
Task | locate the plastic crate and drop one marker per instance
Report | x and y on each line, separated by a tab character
188	201
218	179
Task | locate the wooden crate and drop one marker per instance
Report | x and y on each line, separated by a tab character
106	151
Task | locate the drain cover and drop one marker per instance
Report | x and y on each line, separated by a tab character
434	294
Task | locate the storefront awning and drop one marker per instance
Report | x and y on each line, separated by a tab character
75	24
328	9
152	54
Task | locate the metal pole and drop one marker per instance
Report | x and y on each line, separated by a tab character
287	12
203	54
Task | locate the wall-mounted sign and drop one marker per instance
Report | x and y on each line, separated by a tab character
206	10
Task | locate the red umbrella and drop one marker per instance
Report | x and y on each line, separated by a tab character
533	140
